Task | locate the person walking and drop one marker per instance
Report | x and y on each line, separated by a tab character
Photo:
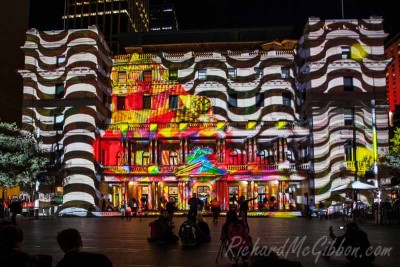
70	241
215	209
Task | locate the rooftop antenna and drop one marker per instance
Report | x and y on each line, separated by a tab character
342	9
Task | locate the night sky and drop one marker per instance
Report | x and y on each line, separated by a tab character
205	14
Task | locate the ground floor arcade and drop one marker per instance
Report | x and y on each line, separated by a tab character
271	195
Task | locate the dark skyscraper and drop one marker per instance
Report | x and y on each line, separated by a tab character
13	25
163	16
110	16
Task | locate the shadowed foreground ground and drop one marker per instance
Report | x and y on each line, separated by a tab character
125	241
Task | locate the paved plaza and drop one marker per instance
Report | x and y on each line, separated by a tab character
125	241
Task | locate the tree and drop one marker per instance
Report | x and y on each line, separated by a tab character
391	161
21	159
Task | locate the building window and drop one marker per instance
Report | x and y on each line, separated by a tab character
346	52
173	75
61	61
287	99
259	100
145	158
173	101
262	158
147	102
348	150
232	100
59	93
233	157
232	73
259	72
285	73
173	158
202	74
122	77
147	76
121	103
348	84
58	122
348	116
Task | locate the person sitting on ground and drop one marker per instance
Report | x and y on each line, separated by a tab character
10	248
204	228
164	229
70	242
189	232
357	240
234	232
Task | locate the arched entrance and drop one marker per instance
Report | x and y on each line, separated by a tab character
204	192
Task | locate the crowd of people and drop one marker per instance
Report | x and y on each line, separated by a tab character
69	241
236	240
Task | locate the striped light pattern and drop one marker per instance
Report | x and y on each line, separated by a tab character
78	62
329	53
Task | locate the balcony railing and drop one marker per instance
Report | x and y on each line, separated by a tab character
362	165
169	169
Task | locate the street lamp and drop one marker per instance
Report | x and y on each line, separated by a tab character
375	154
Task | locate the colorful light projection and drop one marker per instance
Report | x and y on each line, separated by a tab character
201	162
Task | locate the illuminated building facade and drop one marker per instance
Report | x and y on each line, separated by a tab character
110	16
393	72
339	69
219	124
66	98
285	122
393	81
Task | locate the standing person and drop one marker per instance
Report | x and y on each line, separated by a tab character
321	208
244	206
70	242
15	208
171	207
236	238
11	255
233	203
194	204
144	205
134	206
215	209
103	206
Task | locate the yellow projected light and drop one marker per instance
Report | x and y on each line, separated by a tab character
358	52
